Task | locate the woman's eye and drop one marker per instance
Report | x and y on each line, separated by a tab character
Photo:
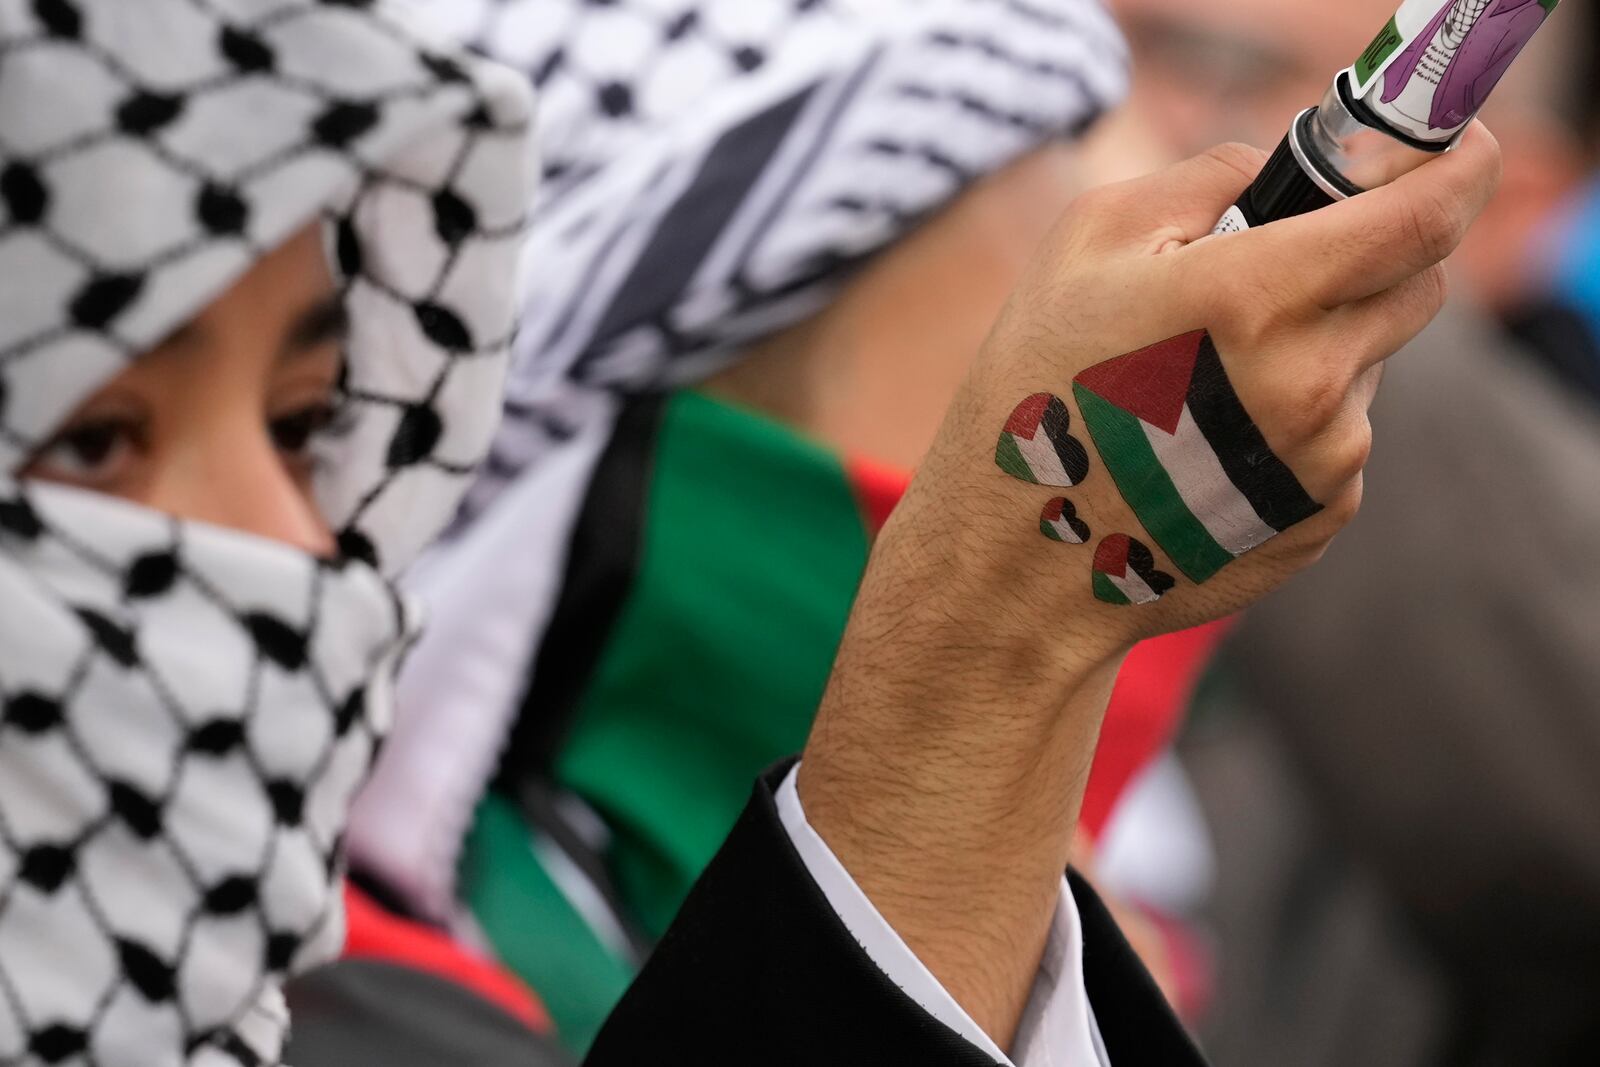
294	433
91	452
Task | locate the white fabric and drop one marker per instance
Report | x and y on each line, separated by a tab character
186	711
1057	1028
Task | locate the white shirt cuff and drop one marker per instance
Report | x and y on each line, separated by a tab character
1058	1027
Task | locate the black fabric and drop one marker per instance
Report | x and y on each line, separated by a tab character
602	560
758	969
1135	1022
364	1013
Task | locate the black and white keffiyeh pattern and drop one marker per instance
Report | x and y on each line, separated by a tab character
187	714
713	169
185	711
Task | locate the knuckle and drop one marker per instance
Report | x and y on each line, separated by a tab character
1348	458
1435	222
1429	293
1313	406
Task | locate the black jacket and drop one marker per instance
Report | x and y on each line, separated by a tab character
757	969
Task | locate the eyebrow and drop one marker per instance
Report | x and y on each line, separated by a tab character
327	320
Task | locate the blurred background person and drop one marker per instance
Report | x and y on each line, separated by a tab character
1409	864
645	619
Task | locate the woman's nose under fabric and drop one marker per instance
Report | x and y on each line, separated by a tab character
187	712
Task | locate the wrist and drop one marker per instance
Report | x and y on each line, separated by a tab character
967	634
953	744
963	560
956	820
950	754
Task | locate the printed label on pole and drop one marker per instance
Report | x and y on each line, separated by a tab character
1436	62
1233	222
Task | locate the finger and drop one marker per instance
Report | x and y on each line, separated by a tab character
1370	243
1182	202
1374	328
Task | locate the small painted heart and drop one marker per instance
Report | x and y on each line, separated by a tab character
1060	522
1125	573
1036	447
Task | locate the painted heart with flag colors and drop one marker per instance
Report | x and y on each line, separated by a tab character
1125	573
1186	456
1059	521
1036	447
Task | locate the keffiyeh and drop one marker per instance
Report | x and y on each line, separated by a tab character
187	710
714	171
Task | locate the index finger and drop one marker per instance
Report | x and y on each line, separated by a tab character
1181	202
1368	244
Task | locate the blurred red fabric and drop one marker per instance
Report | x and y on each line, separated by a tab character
374	934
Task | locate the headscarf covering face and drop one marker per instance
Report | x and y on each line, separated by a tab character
715	170
187	710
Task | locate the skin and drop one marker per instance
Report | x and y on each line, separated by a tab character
217	423
976	667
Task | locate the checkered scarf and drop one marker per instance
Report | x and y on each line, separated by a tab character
715	169
185	711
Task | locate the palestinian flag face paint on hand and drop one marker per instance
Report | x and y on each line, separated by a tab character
1125	573
1186	455
1059	521
1036	447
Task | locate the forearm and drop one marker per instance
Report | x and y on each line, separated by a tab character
977	915
949	758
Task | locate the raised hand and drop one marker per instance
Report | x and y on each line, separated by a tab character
1162	427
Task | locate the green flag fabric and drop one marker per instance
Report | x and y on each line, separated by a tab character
752	544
